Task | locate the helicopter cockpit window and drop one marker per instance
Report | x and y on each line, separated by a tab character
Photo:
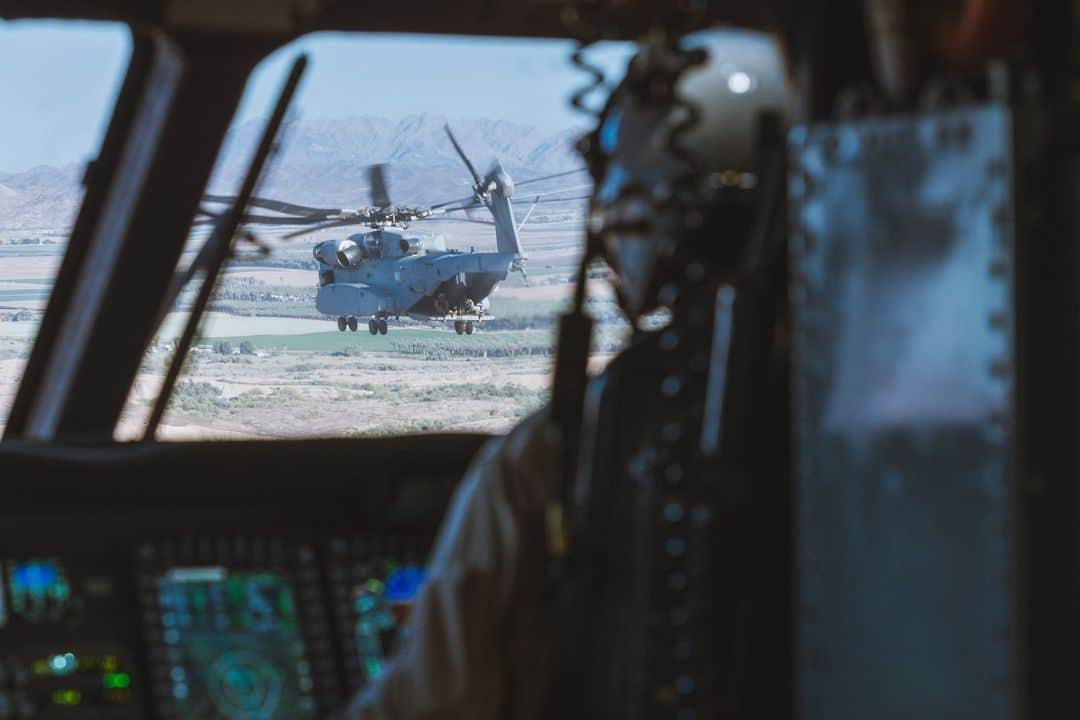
410	253
58	84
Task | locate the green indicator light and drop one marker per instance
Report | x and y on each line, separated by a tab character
373	667
234	591
285	603
66	697
116	680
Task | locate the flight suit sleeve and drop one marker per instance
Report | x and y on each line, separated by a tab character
454	661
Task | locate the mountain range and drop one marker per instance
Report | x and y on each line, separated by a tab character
325	162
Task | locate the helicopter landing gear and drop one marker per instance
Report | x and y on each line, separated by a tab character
373	326
383	329
468	327
353	324
459	327
341	323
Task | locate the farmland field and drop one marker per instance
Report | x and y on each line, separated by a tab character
267	364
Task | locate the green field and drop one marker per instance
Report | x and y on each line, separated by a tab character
31	250
541	271
509	307
364	341
11	295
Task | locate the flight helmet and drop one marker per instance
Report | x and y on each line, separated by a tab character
673	156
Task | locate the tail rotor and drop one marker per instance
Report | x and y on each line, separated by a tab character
494	191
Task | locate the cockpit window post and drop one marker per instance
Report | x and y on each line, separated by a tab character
134	234
137	127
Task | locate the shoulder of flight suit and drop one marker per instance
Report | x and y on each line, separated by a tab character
453	661
478	636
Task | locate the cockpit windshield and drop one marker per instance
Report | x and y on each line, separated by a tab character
58	85
407	252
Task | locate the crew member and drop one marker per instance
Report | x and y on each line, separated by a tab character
478	646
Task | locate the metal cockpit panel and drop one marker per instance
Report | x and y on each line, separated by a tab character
902	248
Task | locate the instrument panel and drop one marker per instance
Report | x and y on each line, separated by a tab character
46	602
228	628
212	581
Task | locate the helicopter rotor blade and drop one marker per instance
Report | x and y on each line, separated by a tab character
464	157
359	220
380	195
556	200
466	207
276	205
455	219
207	218
275	220
561	190
469	201
549	177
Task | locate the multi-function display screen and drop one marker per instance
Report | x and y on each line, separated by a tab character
234	645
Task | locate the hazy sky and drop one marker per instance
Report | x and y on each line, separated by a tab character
59	81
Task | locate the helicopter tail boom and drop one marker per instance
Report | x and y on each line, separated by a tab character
495	191
507	239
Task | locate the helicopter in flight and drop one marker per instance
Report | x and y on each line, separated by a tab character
385	272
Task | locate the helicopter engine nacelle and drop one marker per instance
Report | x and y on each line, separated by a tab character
348	253
326	252
411	246
338	253
370	243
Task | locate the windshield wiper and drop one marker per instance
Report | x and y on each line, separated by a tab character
218	246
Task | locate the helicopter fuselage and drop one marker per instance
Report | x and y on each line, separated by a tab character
384	273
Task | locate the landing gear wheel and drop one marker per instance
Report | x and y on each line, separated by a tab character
341	323
459	327
382	326
353	324
468	328
373	326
